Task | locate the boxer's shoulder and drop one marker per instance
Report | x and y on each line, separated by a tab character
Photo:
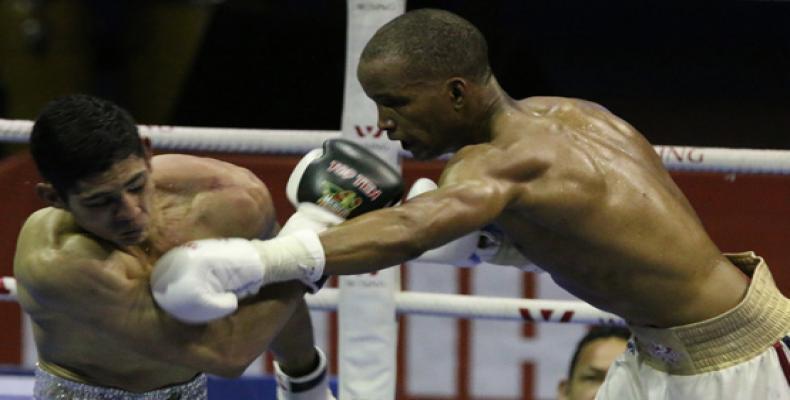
221	198
46	228
180	172
511	161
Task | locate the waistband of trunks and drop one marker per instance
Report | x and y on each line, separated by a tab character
49	386
738	335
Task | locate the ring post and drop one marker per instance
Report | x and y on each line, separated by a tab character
368	332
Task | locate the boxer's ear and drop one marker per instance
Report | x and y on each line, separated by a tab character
456	90
147	151
47	193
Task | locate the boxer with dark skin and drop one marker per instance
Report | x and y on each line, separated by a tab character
578	190
83	264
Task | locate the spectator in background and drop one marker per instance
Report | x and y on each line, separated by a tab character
594	353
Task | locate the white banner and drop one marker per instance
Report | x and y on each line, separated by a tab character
368	333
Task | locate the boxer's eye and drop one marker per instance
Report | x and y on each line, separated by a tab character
137	185
393	102
99	202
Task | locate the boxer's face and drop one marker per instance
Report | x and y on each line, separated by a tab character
114	204
591	367
418	113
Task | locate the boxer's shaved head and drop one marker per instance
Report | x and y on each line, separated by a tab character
433	44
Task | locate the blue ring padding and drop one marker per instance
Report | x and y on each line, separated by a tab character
15	371
252	388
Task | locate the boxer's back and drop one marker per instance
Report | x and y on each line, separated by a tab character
602	215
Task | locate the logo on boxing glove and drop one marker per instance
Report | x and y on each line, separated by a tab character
343	201
345	179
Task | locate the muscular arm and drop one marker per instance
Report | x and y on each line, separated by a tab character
471	195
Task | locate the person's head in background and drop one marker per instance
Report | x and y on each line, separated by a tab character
594	353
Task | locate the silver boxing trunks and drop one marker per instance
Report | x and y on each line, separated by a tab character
51	387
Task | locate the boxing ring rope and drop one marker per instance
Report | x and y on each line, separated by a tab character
451	305
270	141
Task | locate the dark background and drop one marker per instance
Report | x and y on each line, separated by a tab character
691	73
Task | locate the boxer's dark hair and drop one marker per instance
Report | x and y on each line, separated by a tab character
434	43
595	333
78	136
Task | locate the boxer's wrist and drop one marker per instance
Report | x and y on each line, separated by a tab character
296	256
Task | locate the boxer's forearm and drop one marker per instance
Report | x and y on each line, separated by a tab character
375	241
294	345
391	236
227	346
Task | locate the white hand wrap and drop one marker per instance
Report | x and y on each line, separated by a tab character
313	386
298	255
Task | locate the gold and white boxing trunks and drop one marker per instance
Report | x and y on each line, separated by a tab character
741	354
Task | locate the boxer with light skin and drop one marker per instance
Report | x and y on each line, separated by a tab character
594	354
576	191
83	264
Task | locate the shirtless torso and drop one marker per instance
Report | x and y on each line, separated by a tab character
93	316
582	194
596	208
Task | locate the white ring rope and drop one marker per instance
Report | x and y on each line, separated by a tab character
271	141
261	141
452	305
481	307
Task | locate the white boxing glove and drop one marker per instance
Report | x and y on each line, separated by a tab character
192	291
203	280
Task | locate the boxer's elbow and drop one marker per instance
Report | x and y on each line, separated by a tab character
229	365
225	354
